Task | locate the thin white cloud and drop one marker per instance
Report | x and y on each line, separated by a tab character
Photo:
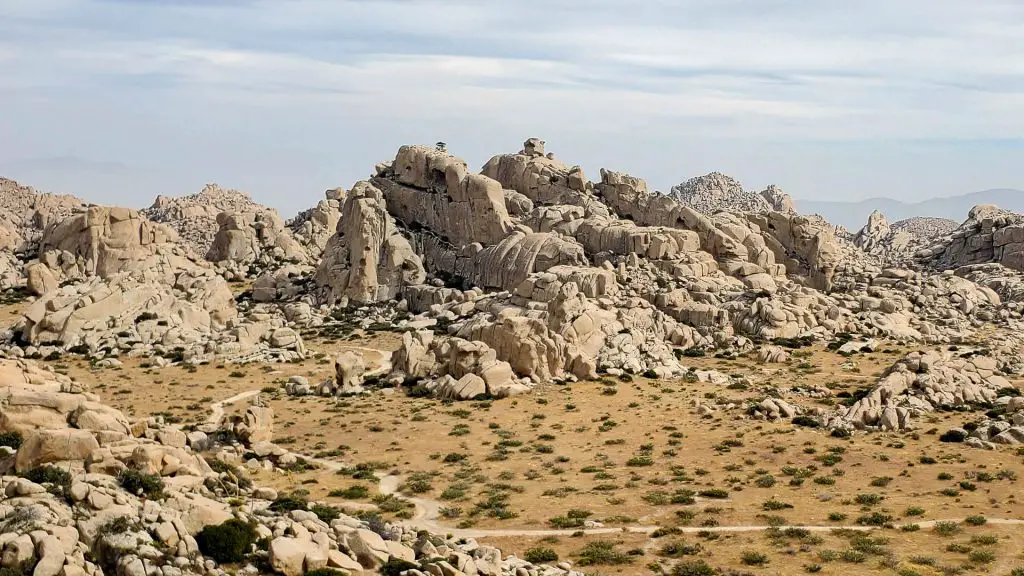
486	71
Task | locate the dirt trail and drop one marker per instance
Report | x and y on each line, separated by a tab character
428	512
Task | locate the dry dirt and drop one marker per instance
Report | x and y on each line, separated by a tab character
621	452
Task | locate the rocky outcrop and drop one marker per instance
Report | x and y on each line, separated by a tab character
103	242
29	212
716	192
194	217
255	238
989	235
367	259
897	244
454	368
313	228
542	178
167	300
778	200
430	188
923	383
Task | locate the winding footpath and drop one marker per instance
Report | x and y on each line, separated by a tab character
428	512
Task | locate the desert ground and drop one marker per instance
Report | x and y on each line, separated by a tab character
623	475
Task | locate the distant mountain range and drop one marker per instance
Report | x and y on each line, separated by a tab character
854	215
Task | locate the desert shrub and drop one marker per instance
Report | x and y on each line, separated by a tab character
228	542
58	481
47	474
288	502
357	492
239	477
540	554
142	484
946	528
395	567
11	439
750	558
326	513
953	436
806	421
774	505
975	520
572	519
982	556
875	519
116	525
677	549
602	553
693	568
717	493
868	499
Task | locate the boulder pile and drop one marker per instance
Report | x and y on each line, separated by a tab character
88	492
923	383
716	192
194	217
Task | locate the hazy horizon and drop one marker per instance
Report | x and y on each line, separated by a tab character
118	101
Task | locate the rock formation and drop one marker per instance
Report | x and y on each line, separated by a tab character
254	238
989	235
716	192
367	259
194	217
98	493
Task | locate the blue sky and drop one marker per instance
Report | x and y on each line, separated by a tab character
120	100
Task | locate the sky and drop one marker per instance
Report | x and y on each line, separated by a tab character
120	100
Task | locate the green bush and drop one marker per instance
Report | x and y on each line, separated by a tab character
806	421
58	480
288	502
326	513
11	439
602	553
142	484
754	558
221	467
47	474
693	568
953	436
538	555
357	492
393	567
227	543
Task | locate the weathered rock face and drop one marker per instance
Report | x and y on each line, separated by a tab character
29	212
716	192
194	217
166	300
778	200
542	178
808	249
255	238
430	188
896	244
922	383
367	259
989	235
313	228
457	369
102	242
